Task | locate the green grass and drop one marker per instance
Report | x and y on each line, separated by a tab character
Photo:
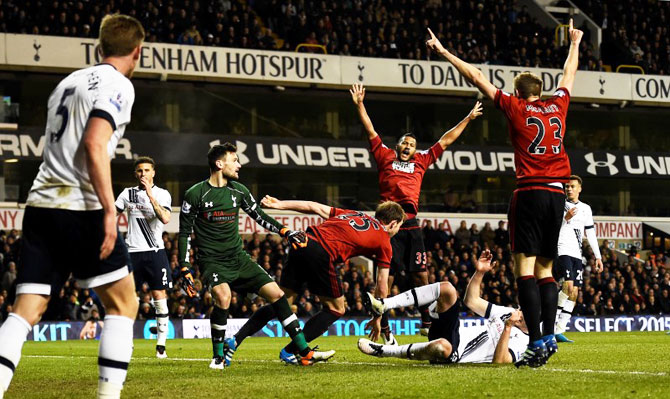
622	365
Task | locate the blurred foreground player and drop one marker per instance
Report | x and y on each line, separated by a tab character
536	129
70	220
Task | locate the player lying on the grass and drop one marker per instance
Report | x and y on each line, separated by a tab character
502	338
401	172
211	209
343	235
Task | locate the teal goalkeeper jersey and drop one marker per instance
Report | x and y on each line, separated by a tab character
212	213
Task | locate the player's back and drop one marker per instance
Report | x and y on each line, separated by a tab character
536	129
63	180
350	233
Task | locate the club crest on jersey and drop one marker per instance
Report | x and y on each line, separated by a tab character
209	204
234	201
405	167
215	276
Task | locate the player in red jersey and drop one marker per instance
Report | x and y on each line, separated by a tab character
343	235
536	129
400	175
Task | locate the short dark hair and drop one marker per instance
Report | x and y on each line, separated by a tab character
144	159
408	134
576	178
217	152
389	211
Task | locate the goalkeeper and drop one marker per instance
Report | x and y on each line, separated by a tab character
211	210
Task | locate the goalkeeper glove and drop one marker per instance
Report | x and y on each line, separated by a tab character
187	282
297	238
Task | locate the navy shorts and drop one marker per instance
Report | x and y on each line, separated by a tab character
409	252
57	242
446	326
153	268
570	269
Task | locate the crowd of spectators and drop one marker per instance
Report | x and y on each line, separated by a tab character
486	31
626	286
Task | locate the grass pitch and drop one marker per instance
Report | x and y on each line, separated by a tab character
621	365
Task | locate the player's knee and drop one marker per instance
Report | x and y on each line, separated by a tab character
448	294
442	349
337	306
222	299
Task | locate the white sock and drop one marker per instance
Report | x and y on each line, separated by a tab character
116	349
13	334
418	296
162	318
403	351
564	317
562	297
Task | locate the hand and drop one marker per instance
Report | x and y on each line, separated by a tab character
476	111
187	282
483	265
575	34
270	202
434	44
599	265
375	326
570	213
144	182
297	238
514	319
108	242
357	93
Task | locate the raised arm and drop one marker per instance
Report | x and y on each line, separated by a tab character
357	95
572	62
96	140
453	133
469	72
473	296
502	354
298	206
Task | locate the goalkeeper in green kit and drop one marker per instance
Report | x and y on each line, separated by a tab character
211	209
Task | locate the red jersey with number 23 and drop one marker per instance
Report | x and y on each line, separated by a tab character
348	233
401	181
536	129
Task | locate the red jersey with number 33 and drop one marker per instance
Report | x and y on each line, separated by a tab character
536	129
347	233
401	181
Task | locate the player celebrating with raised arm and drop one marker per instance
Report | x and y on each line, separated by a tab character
211	210
343	235
577	222
401	172
501	339
149	208
87	115
535	213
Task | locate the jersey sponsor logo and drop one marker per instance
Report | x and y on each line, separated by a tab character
593	166
405	167
219	216
186	207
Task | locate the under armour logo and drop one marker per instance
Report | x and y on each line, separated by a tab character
602	85
234	201
360	72
209	204
37	48
215	276
241	147
594	165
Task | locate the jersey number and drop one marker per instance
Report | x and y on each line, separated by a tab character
535	147
358	222
64	113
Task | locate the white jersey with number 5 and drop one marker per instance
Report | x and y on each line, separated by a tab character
572	231
63	180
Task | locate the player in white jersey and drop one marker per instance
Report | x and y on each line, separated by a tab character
577	222
501	339
149	208
69	225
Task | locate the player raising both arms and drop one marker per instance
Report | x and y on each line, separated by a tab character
343	235
149	208
577	222
536	128
501	339
70	221
211	209
401	172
